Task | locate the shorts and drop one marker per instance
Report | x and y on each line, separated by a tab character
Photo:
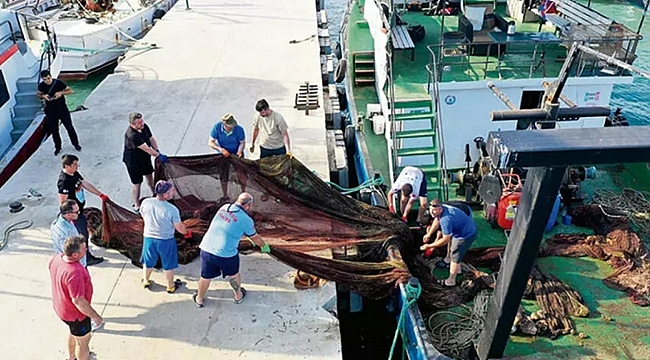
264	152
423	186
213	265
138	171
459	247
167	250
79	327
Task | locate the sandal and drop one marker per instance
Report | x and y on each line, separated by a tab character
146	284
443	282
243	295
197	303
177	284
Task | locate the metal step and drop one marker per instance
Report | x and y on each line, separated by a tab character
417	151
364	71
16	134
415	133
363	61
26	98
364	80
21	122
413	103
418	116
27	85
26	110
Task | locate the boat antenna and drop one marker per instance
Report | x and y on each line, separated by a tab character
645	12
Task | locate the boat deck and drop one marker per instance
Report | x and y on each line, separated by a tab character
219	57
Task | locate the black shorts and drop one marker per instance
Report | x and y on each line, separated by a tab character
137	171
79	327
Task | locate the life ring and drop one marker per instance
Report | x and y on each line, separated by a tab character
341	69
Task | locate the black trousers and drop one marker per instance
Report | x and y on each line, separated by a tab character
52	119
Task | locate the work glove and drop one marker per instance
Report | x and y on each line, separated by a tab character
265	248
391	208
163	158
188	235
104	197
225	152
290	155
404	218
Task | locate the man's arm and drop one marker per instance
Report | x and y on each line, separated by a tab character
180	227
213	143
240	149
408	207
257	240
62	198
90	187
389	197
443	240
287	143
154	143
42	96
256	132
66	91
431	229
149	150
84	306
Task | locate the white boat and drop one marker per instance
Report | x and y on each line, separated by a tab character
21	117
90	40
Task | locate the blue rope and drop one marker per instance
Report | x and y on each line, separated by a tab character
413	291
366	184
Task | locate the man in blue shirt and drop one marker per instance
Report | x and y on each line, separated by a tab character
228	138
219	247
457	231
63	227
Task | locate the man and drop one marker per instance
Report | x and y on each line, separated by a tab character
71	186
219	253
72	292
272	130
228	138
457	231
160	220
63	227
411	183
53	91
139	146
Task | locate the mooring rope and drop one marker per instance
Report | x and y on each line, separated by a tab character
453	333
633	203
20	225
413	291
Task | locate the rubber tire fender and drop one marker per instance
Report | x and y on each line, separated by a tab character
349	136
343	98
158	14
337	51
341	69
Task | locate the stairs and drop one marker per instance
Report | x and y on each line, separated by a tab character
364	68
27	106
416	141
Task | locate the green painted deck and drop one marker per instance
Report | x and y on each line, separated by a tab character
628	335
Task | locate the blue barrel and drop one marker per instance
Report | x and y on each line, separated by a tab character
553	217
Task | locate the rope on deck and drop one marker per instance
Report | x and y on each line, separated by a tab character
20	225
633	203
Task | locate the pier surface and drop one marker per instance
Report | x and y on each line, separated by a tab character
218	57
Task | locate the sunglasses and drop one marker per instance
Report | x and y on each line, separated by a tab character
72	212
138	116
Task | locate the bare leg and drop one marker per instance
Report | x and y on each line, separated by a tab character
454	269
235	284
204	284
169	275
149	179
135	193
72	345
448	257
147	273
83	350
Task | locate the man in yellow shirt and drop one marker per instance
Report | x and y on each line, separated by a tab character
272	130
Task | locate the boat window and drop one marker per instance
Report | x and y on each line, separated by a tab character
4	92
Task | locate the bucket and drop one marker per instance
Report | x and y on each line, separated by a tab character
590	172
554	212
566	219
378	124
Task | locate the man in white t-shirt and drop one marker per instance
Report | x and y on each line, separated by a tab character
412	184
272	129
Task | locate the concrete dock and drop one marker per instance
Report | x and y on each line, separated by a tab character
216	58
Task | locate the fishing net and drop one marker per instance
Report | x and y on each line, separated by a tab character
297	213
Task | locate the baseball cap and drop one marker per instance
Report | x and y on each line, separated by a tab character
162	187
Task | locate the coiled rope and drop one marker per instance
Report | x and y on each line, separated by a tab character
453	333
376	181
20	225
413	291
633	203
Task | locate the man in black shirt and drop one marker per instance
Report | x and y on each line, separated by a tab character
139	146
71	186
53	91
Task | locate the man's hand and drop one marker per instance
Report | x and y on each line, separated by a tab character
425	247
47	97
240	153
265	248
57	95
225	152
104	197
290	155
391	208
404	218
426	238
163	158
252	149
188	235
97	321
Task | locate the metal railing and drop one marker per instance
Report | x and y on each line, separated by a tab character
434	92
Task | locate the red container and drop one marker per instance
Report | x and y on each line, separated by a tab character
507	209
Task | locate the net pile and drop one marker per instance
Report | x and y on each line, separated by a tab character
294	211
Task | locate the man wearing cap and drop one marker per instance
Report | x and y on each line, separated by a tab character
71	186
273	131
160	220
219	247
227	137
412	184
63	227
139	146
457	231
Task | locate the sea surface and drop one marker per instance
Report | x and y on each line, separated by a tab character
633	98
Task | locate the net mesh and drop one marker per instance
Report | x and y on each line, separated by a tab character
294	211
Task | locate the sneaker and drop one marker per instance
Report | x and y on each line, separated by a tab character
77	147
57	152
93	260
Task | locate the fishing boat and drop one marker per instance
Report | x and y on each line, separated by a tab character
91	38
21	117
426	82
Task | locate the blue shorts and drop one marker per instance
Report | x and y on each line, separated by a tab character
423	186
460	246
213	265
167	250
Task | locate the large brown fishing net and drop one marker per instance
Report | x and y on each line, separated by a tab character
294	211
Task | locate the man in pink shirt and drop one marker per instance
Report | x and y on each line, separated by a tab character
72	292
